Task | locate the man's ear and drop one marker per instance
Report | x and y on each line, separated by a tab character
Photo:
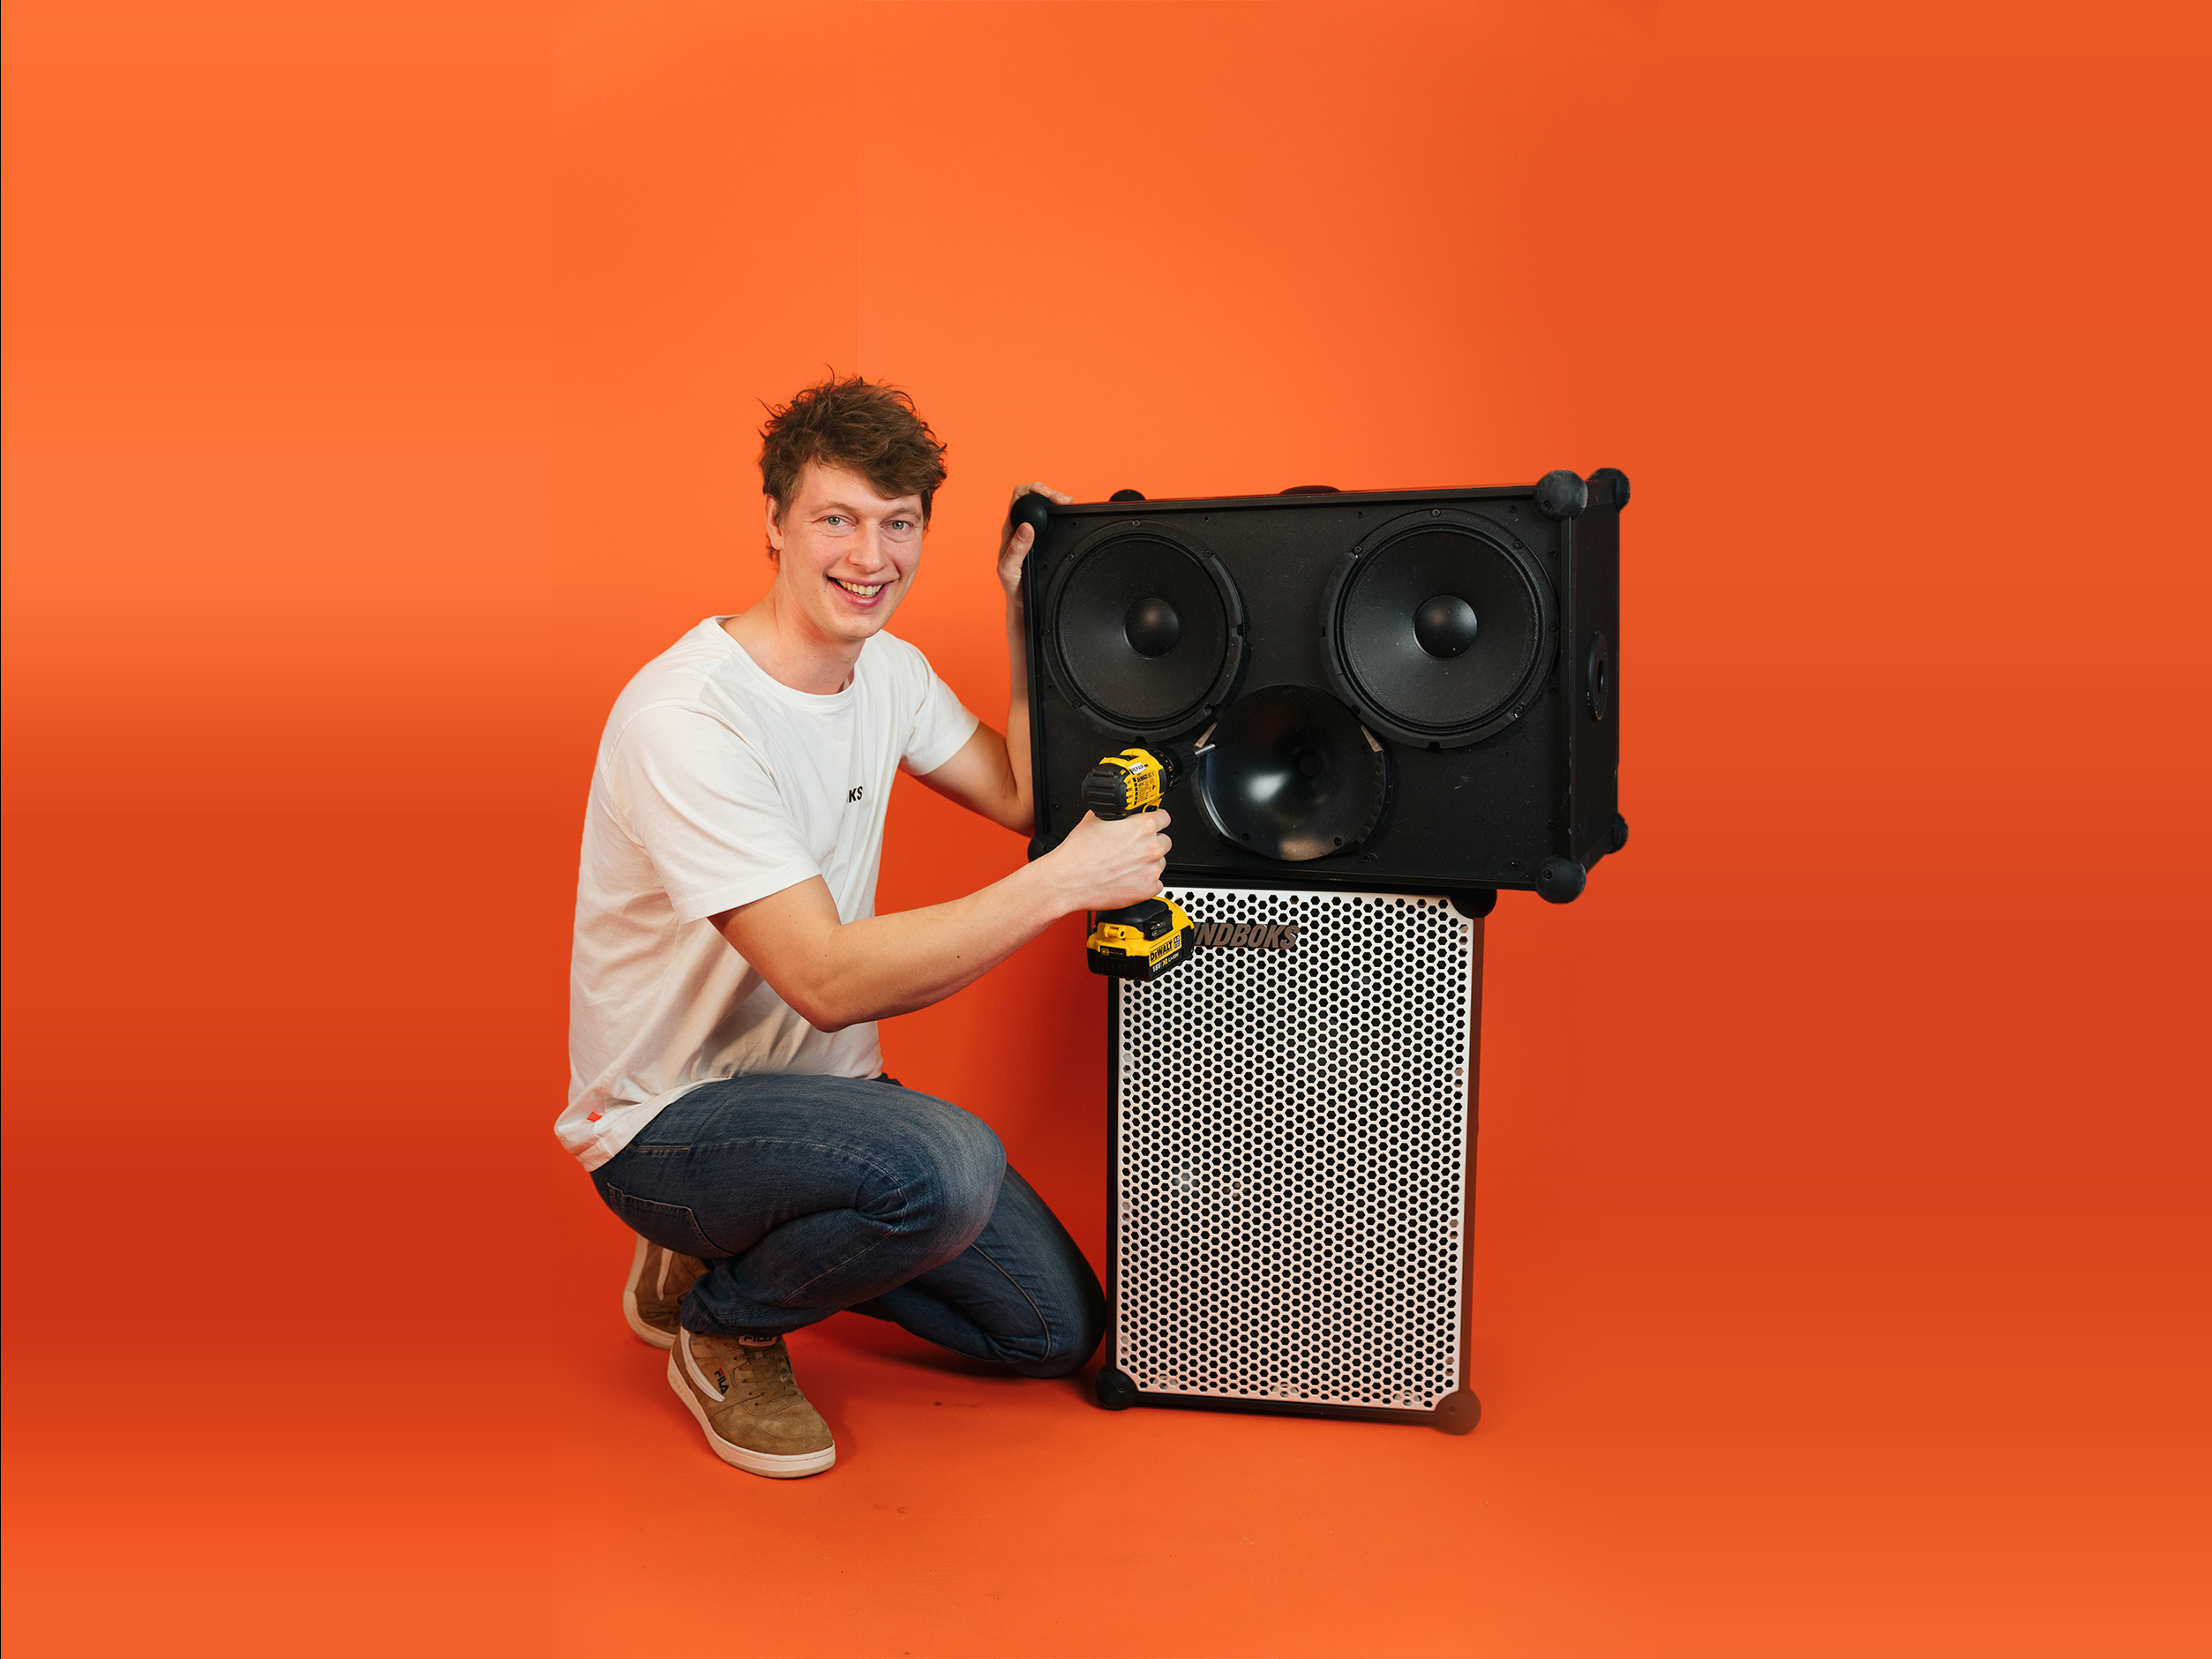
774	510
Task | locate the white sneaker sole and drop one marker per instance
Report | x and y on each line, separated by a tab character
644	1331
776	1468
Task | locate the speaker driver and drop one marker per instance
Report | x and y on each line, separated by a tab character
1291	775
1144	629
1439	628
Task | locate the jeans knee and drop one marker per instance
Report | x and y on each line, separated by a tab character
1065	1347
1090	1328
1059	1361
955	1183
1073	1322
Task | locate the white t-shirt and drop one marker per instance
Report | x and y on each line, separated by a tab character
717	784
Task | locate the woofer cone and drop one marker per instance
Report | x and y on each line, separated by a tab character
1292	776
1144	630
1438	629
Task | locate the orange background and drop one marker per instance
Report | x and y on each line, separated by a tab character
380	389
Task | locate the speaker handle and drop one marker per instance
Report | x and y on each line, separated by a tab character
1313	488
1127	495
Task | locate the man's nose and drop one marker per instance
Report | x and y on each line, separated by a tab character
867	551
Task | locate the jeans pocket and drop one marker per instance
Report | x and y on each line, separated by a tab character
671	1225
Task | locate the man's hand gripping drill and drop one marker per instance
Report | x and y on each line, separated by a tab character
1143	940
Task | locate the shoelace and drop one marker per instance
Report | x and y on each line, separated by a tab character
766	1371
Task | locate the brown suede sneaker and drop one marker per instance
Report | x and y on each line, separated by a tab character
658	1280
740	1389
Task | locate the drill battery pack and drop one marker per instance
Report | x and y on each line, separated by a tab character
1142	941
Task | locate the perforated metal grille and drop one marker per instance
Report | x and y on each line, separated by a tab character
1289	1158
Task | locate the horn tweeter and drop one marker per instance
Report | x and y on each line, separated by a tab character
1291	776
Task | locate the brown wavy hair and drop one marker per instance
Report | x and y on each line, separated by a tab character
852	423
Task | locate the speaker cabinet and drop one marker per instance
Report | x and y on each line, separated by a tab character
1292	1160
1404	690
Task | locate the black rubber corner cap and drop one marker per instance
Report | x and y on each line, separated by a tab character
1116	1391
1562	494
1031	509
1458	1411
1561	880
1618	479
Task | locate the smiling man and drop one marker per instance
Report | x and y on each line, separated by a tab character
727	1090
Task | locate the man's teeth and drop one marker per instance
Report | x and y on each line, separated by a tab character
854	586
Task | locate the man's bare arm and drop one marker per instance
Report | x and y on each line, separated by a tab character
990	775
838	974
1014	545
982	778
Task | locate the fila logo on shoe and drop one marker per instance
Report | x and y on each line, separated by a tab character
720	1387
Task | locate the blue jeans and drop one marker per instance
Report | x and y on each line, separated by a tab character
807	1195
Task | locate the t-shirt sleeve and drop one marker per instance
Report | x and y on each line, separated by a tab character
941	725
707	811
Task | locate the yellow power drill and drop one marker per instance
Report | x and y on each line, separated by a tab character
1141	941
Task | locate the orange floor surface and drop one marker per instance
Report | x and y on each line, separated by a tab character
294	1369
382	388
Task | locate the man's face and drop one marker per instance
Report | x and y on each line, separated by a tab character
844	554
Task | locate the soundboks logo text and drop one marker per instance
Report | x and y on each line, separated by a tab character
1237	936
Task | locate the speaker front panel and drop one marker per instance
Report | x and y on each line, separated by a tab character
1291	1118
1446	658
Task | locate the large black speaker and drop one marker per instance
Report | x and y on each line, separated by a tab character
1404	691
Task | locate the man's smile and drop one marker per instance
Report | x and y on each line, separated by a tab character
866	592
